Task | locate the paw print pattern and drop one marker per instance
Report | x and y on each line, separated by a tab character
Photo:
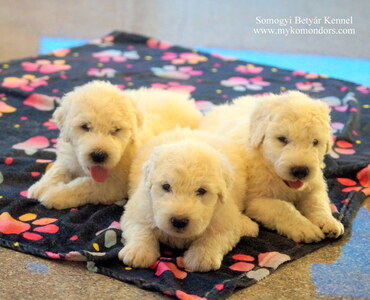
115	55
164	264
248	68
363	89
104	72
154	43
6	108
41	102
340	105
174	86
204	106
362	183
26	83
27	225
308	75
33	144
242	84
309	86
46	66
260	268
184	58
170	71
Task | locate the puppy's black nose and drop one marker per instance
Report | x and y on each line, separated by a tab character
98	156
300	172
179	223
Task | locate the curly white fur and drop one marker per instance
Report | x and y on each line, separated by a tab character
100	118
186	161
279	133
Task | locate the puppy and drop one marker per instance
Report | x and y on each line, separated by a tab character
285	139
101	128
184	192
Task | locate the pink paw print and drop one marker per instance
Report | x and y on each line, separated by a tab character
223	57
164	264
248	68
242	84
173	72
27	225
174	86
50	124
204	106
154	43
183	58
26	83
309	86
33	144
46	66
41	102
307	75
363	89
105	72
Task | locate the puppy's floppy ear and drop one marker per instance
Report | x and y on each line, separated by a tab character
259	118
138	119
324	111
60	116
149	167
227	174
147	170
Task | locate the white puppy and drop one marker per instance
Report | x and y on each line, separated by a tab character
184	192
285	138
101	128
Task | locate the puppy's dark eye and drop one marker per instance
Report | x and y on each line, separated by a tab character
85	127
283	140
315	142
116	130
200	191
166	187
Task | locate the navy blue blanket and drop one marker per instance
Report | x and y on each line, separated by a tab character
29	92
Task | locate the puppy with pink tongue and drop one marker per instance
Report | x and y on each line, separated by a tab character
98	173
101	129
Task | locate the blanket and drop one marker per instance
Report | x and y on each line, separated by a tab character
30	90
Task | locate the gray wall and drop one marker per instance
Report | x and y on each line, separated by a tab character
213	23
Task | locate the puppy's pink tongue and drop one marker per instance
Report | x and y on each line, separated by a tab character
294	184
98	173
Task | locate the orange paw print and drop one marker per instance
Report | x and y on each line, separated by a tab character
27	225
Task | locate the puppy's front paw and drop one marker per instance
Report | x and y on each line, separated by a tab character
202	259
138	255
56	197
36	190
250	228
330	226
304	231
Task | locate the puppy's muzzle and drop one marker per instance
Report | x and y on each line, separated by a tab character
300	172
179	223
98	156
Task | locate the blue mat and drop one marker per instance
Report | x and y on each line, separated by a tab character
350	69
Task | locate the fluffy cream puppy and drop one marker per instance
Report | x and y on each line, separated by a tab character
285	138
101	128
185	192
